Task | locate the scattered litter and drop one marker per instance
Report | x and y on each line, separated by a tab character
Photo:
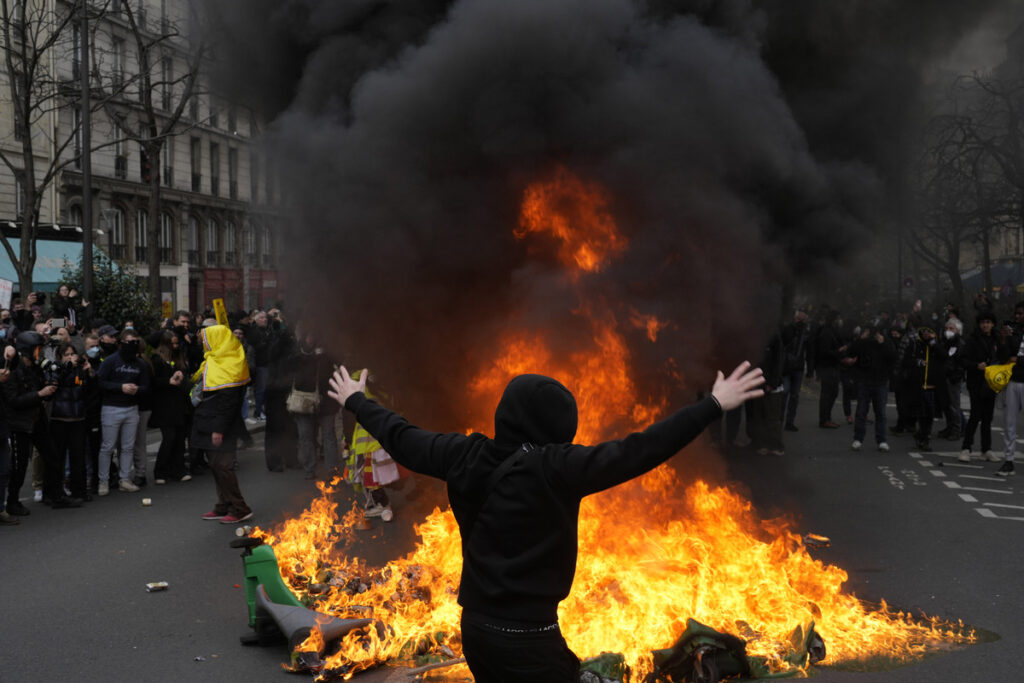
817	541
237	585
199	659
146	502
156	586
243	531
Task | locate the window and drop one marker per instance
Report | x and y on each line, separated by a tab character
193	107
115	231
168	163
165	22
75	216
77	123
212	243
120	160
196	151
140	15
115	7
232	173
266	246
229	244
19	194
19	124
232	119
213	112
166	238
254	177
76	52
193	241
214	169
117	68
166	76
250	246
141	236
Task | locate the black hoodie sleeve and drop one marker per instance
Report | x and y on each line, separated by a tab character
589	469
416	449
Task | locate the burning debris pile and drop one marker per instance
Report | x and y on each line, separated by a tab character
650	562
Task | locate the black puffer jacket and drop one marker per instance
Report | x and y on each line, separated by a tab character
979	348
519	537
71	400
21	393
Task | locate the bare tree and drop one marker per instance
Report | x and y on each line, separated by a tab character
36	37
163	95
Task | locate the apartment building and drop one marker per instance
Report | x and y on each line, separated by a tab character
218	232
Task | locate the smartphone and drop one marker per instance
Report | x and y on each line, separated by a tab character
57	322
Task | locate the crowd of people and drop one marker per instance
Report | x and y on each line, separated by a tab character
925	361
79	395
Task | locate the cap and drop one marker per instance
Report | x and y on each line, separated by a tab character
108	330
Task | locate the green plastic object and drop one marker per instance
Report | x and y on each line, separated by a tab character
261	568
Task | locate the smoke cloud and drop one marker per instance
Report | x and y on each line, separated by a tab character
743	146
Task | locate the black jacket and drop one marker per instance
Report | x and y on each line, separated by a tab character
874	361
220	411
71	400
519	543
115	372
21	393
170	403
311	371
979	348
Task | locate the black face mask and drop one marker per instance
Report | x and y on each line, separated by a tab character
129	350
108	348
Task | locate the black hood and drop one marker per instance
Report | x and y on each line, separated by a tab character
534	409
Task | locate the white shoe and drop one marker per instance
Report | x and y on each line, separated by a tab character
187	477
884	446
127	485
856	445
158	482
991	457
37	495
103	489
965	455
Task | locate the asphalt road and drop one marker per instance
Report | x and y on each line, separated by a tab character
945	540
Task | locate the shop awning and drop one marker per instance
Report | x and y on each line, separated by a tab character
51	256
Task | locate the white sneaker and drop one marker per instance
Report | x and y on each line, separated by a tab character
187	477
375	510
159	482
856	445
37	495
991	457
127	485
104	489
884	446
965	455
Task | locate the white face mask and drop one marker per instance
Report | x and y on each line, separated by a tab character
950	334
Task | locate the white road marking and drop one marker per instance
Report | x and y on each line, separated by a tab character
937	473
991	480
952	484
985	512
1005	505
968	498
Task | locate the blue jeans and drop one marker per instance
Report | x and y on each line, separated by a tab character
875	394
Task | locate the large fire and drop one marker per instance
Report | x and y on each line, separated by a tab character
651	554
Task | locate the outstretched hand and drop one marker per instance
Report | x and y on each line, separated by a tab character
343	386
743	384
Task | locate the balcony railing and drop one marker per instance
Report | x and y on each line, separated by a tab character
252	259
212	258
166	255
193	257
141	254
229	258
117	251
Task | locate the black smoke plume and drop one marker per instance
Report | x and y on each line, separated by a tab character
743	145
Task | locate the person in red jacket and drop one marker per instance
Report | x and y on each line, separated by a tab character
516	498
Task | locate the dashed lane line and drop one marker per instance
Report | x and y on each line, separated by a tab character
967	498
985	512
1004	505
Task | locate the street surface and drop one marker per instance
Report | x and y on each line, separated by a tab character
917	529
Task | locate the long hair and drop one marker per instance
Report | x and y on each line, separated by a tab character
165	349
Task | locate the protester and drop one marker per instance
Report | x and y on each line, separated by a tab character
6	518
170	404
122	377
766	411
949	399
67	417
1013	349
311	372
980	351
794	340
874	356
830	350
516	498
217	424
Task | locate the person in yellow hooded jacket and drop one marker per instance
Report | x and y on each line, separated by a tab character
217	424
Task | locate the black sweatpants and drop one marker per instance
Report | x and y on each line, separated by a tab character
499	651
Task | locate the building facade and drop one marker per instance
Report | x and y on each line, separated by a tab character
217	217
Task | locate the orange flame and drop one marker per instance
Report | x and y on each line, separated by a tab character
576	213
650	556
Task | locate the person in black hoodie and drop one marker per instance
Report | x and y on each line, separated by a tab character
516	498
170	406
980	351
829	351
874	356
